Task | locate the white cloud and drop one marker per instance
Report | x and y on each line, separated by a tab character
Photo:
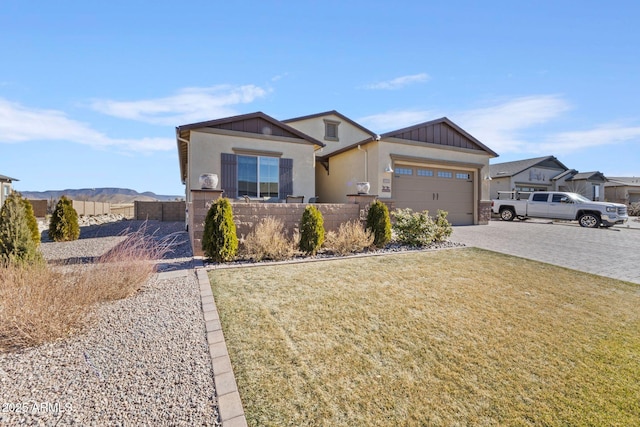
517	126
399	82
22	124
608	134
502	127
187	106
392	120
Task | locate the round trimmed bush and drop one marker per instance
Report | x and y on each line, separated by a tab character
63	226
220	240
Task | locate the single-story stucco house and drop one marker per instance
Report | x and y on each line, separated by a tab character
623	189
432	165
5	187
545	174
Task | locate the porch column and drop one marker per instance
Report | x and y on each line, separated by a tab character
364	201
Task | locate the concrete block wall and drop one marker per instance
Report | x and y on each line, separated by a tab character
87	208
247	215
39	207
160	211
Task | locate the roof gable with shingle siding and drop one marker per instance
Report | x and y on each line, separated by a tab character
440	132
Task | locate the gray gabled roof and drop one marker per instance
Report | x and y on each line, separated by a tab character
7	178
623	181
588	176
500	170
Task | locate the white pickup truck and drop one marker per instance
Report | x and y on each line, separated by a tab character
562	205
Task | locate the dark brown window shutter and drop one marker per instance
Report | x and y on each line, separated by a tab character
229	177
286	178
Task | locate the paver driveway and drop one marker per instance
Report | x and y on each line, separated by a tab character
612	252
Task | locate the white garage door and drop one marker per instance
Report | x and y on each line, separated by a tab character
427	188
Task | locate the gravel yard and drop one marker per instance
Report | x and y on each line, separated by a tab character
143	361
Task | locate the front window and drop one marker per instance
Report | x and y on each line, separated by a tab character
258	176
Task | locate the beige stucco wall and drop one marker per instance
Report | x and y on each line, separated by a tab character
347	133
345	170
348	168
206	146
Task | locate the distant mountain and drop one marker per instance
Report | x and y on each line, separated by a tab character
105	195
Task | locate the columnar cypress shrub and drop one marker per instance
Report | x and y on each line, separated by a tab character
32	222
64	226
16	240
379	223
220	240
311	230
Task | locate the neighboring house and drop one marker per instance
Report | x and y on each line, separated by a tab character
623	190
526	175
589	184
545	174
5	187
433	165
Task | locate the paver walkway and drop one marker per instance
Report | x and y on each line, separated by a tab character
609	252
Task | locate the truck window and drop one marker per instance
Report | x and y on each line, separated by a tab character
542	197
559	198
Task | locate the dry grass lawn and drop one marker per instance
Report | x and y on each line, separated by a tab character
455	337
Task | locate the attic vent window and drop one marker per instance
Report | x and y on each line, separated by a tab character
331	130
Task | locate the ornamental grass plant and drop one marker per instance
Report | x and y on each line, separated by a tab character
40	303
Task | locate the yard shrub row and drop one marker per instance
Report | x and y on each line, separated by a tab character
268	241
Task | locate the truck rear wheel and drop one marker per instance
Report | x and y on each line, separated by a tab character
589	220
507	214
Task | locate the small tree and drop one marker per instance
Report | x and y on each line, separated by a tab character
311	230
379	223
220	240
32	222
16	239
64	226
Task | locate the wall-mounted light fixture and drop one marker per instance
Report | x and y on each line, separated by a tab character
388	169
487	177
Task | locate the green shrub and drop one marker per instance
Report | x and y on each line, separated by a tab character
379	223
443	227
32	222
634	209
350	238
63	226
311	230
268	241
419	229
17	245
220	240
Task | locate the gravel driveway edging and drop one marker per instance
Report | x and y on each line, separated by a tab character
230	407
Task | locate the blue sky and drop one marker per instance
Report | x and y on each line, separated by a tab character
91	92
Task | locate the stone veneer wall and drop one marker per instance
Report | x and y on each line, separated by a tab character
247	215
484	212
